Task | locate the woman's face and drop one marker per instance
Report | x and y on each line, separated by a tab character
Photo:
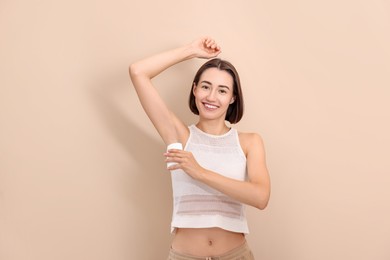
213	93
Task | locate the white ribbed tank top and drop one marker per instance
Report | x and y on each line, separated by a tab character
196	205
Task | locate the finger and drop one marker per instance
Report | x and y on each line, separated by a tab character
173	159
172	154
174	150
206	42
210	43
173	167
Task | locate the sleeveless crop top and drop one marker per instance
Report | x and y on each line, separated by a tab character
196	205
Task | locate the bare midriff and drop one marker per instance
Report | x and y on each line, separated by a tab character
206	241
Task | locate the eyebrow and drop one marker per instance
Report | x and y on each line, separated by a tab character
208	82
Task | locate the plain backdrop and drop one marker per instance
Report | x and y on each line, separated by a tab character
82	174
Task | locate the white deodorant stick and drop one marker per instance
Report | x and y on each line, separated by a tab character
178	146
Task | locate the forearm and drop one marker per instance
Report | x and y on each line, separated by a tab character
154	65
254	192
250	193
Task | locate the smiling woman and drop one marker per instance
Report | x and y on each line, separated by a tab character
213	96
228	82
220	170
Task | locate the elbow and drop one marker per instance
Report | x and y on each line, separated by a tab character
262	201
261	205
133	70
263	194
137	71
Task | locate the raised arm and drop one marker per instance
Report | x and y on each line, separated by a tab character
170	128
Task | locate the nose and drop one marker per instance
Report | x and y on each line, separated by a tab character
211	96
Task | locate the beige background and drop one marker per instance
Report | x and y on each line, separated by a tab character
81	167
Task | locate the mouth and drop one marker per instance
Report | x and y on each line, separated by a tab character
209	106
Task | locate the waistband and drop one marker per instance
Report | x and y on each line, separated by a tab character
237	252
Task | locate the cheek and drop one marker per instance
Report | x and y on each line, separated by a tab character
199	94
197	98
227	99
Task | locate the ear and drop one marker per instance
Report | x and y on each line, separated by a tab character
232	100
193	88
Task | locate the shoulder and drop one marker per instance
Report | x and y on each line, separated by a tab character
250	142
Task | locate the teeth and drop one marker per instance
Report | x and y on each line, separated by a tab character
209	106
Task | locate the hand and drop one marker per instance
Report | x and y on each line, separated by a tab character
184	160
206	48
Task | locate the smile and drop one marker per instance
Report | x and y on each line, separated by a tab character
209	106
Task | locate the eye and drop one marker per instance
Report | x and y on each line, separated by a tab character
222	91
205	87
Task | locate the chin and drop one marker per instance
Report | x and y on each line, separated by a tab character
207	116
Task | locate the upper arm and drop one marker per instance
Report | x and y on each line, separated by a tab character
170	128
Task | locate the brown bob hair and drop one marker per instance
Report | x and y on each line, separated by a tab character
236	109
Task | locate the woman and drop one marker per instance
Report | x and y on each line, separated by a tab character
220	169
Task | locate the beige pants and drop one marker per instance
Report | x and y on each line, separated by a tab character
241	253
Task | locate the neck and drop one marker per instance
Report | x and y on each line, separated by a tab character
213	127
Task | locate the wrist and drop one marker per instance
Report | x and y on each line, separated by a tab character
189	52
202	175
